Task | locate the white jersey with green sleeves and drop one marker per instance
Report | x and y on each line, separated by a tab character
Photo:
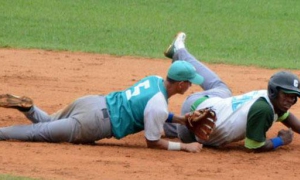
143	106
232	115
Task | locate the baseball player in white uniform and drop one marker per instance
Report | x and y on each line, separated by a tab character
244	117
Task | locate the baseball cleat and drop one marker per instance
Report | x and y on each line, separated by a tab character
12	101
177	43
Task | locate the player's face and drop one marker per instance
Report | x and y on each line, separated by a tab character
183	86
285	101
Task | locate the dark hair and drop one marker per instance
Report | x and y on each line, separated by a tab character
172	81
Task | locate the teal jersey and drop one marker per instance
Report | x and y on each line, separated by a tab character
127	107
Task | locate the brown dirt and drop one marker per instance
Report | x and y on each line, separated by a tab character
53	79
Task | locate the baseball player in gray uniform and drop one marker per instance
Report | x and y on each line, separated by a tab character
248	116
143	106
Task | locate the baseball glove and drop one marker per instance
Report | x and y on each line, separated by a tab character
201	122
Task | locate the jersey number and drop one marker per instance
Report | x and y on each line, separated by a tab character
137	90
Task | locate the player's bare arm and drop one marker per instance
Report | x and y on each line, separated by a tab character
174	146
179	119
292	122
183	119
286	137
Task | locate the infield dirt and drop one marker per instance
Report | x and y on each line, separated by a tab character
54	79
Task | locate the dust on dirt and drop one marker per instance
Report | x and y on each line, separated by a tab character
53	79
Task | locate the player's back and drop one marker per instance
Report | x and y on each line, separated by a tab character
232	115
127	107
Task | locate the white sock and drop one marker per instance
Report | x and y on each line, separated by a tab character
179	44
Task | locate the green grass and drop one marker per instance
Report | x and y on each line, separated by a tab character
246	32
9	177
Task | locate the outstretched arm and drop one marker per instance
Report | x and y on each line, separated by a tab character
260	119
174	146
151	132
284	137
292	122
174	118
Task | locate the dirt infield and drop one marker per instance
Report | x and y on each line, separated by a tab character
53	79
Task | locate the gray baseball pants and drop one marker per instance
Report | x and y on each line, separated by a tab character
85	120
212	86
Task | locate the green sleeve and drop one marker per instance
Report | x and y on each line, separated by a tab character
283	117
198	102
259	120
250	144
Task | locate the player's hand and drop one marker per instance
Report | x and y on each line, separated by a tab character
194	147
286	136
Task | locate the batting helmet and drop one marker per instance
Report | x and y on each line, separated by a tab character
285	81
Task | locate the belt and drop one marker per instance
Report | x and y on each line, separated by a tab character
103	104
105	113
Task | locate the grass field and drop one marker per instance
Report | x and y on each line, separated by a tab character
9	177
262	33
